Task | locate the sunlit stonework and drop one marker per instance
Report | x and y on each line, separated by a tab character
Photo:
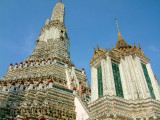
48	86
124	85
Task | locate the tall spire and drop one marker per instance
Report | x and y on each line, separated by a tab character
58	12
121	43
139	46
119	34
55	33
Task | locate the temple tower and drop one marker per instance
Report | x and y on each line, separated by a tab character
122	75
47	85
53	40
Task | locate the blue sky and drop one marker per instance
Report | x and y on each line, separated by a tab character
88	22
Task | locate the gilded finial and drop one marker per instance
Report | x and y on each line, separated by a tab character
119	34
139	45
121	42
116	23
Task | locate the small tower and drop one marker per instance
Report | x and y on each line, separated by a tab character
58	12
53	34
122	77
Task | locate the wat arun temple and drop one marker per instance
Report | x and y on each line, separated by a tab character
48	86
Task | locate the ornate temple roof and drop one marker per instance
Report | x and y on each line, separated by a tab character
121	43
122	48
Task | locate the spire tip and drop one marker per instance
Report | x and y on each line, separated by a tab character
116	23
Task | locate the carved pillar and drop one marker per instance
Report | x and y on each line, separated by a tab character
104	79
110	77
128	79
155	85
125	84
94	84
146	93
133	76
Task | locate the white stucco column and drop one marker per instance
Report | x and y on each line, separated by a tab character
155	85
104	81
110	77
146	93
128	79
126	89
131	68
139	84
94	84
68	76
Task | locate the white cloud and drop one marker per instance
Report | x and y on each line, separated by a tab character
153	48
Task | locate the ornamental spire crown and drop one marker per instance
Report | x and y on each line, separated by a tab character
121	43
58	12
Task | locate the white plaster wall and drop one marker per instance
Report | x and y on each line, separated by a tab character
153	81
94	84
52	33
81	112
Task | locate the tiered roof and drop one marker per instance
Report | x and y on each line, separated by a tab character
121	49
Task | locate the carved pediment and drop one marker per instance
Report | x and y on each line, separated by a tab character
98	53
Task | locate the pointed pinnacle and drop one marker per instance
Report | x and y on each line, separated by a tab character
97	46
139	46
60	1
119	34
117	23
